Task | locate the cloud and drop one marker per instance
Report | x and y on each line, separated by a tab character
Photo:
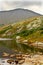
26	4
6	5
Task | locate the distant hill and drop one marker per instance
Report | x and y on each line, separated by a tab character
16	15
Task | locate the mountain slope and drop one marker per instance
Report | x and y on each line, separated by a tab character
23	34
16	15
30	27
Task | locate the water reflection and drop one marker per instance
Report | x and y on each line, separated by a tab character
11	47
5	39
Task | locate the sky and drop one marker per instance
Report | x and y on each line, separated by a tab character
34	5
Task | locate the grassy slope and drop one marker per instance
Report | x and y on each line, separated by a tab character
36	33
31	33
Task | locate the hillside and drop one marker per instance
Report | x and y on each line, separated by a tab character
23	34
31	28
16	15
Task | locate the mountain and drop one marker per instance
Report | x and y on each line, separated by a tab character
31	27
24	34
16	15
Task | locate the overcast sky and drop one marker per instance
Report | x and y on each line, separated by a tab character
34	5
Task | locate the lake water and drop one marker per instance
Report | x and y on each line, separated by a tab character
5	39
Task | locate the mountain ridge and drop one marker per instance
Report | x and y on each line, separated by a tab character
20	9
16	15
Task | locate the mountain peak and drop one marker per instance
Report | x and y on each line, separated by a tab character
15	15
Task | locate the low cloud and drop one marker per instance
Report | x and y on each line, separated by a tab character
7	5
26	4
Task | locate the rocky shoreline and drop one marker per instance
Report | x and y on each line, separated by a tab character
24	59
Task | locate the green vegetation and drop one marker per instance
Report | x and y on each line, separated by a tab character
30	30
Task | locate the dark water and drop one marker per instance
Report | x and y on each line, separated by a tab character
7	46
11	47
